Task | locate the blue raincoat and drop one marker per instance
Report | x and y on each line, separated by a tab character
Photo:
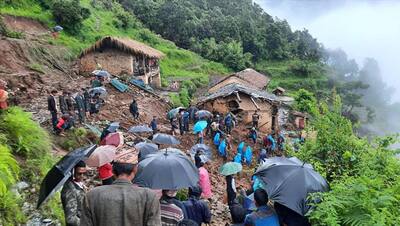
216	139
272	140
222	148
240	147
247	155
238	158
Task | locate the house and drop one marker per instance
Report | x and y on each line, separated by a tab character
243	101
279	91
248	78
123	56
299	119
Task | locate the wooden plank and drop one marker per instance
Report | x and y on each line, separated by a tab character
254	102
238	96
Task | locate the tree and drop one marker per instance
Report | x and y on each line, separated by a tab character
305	101
69	14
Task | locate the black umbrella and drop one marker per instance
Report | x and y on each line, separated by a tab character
60	173
162	138
146	149
98	90
289	182
140	129
166	170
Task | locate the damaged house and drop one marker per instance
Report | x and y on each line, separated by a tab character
247	78
242	101
123	56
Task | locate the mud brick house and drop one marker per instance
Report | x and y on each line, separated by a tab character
242	101
248	78
123	56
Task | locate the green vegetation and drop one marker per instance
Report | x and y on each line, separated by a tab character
364	178
21	136
36	67
109	18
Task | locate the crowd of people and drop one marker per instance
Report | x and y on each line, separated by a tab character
119	202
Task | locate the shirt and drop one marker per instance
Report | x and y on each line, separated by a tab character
204	182
263	216
121	204
197	210
171	214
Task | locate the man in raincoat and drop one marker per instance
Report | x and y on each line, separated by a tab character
248	154
240	147
222	149
228	123
217	139
81	106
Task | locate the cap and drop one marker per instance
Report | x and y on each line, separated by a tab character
127	156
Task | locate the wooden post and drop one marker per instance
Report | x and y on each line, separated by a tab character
238	96
254	102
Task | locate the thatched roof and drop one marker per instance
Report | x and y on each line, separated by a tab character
249	76
237	88
124	44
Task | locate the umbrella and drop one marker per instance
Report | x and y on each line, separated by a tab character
116	139
60	173
289	182
58	28
140	129
165	170
111	128
172	113
162	138
173	150
101	73
146	149
204	149
230	168
102	155
199	126
98	90
203	114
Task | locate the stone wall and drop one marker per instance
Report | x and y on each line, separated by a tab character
114	61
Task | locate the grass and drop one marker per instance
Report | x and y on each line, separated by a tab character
177	63
36	67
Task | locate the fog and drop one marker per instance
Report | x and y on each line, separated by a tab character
363	28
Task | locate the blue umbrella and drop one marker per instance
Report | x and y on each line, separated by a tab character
101	73
199	126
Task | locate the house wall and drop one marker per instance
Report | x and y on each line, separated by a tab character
228	81
247	108
111	60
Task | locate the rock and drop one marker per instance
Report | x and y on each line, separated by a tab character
22	185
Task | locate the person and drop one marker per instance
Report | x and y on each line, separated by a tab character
228	123
70	103
64	123
289	217
238	158
264	215
81	106
153	124
230	188
192	112
204	181
105	174
281	141
95	104
3	95
238	214
121	203
186	120
171	214
248	154
63	102
180	121
255	118
214	128
200	137
197	209
216	139
72	195
52	107
96	82
262	156
269	143
174	126
133	109
197	159
240	147
86	98
222	149
253	135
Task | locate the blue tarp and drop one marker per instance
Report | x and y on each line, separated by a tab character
238	158
119	85
141	84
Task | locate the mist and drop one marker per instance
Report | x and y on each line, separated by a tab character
364	28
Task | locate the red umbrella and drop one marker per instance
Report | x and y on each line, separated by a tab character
101	156
115	139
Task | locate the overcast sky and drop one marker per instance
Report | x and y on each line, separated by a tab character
362	28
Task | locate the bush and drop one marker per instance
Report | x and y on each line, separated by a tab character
26	137
8	169
305	101
70	14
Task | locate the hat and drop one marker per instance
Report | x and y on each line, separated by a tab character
127	156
